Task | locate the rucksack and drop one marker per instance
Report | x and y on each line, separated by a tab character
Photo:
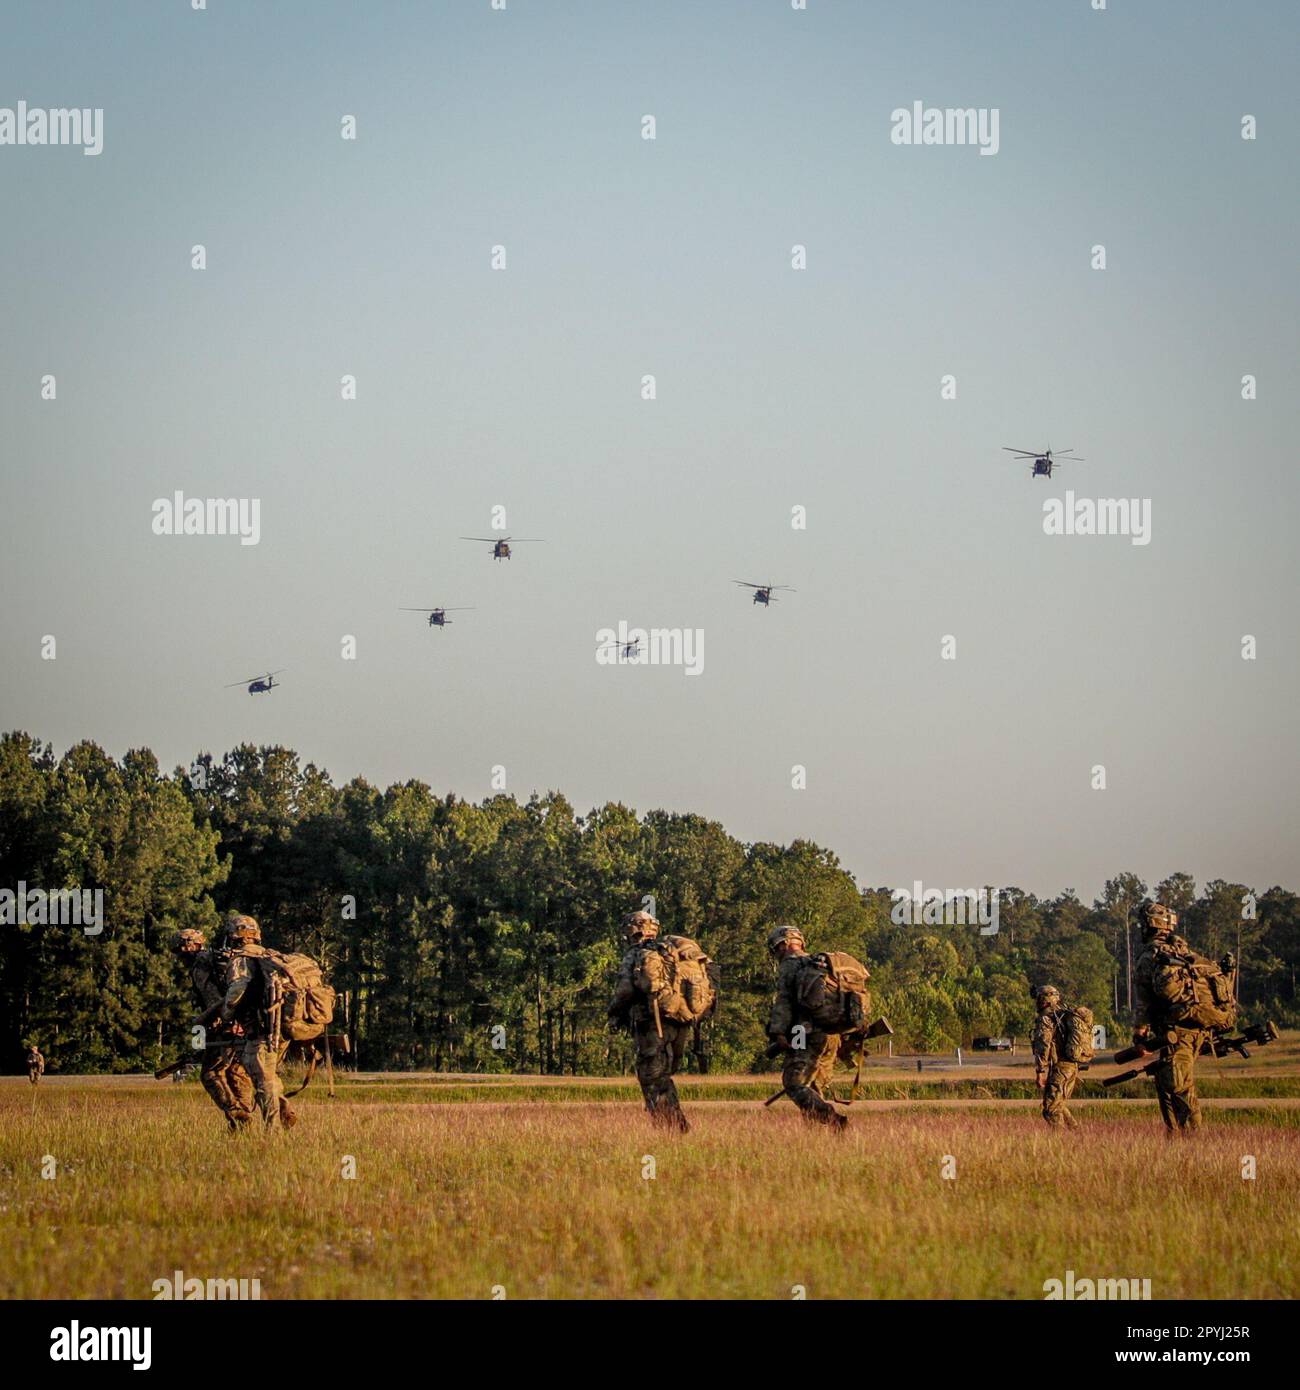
832	992
296	986
679	977
1193	992
698	978
1074	1035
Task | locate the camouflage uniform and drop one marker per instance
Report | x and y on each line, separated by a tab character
1175	1077
1059	1076
244	1003
657	1057
807	1072
222	1074
35	1065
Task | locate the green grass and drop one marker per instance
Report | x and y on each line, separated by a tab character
704	1089
551	1201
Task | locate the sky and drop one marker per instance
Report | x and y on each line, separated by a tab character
775	388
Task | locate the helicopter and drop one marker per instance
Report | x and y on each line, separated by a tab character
627	651
437	616
501	544
1044	461
259	685
763	592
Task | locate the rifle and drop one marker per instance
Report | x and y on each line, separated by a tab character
226	1039
1219	1045
171	1067
879	1029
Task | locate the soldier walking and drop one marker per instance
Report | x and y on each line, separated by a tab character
808	1068
222	1073
35	1065
1164	981
246	1004
1052	1073
637	1004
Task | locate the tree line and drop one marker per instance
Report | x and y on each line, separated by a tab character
484	936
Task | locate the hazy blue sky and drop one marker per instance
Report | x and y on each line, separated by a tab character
775	388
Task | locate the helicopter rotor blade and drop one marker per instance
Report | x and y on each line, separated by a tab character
263	676
1024	453
746	584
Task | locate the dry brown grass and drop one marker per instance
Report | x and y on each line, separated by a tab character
550	1201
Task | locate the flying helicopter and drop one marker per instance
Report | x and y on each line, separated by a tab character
501	544
437	616
1044	460
626	650
763	592
259	685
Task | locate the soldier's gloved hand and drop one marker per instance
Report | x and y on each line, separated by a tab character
1228	964
1142	1034
779	1044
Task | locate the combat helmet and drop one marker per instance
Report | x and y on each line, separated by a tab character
786	934
640	924
1157	919
1046	995
241	929
189	939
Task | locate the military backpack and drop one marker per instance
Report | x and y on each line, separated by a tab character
679	977
1074	1035
832	992
1192	992
295	987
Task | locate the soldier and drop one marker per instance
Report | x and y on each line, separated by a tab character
807	1071
222	1073
35	1065
245	1003
1158	1018
1052	1072
660	1042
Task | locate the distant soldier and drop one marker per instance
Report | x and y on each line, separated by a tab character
642	1001
35	1065
245	1003
222	1072
1053	1073
1182	998
811	1051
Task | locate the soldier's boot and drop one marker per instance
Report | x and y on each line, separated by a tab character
287	1117
666	1113
238	1119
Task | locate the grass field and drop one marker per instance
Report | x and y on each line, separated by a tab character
543	1189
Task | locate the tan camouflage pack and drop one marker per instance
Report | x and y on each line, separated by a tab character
676	973
1074	1035
698	978
832	992
1193	992
295	984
